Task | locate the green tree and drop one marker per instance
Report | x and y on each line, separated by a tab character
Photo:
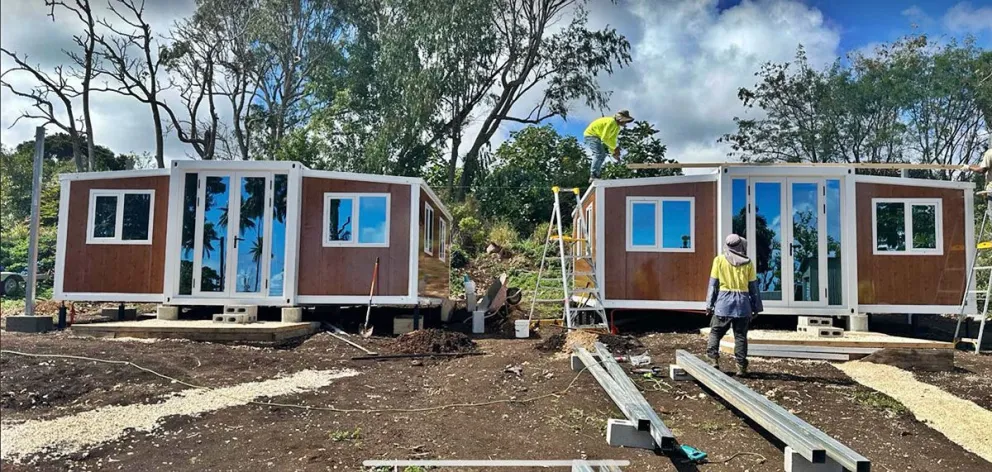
518	187
640	146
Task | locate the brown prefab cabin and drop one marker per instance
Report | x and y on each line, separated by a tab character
825	240
250	233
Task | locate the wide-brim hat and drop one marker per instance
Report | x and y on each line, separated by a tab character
623	116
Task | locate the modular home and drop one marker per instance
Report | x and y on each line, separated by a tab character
260	233
825	240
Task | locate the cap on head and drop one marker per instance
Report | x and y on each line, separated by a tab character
734	240
623	116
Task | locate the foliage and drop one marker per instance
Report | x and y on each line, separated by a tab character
14	248
909	100
535	159
503	235
470	233
458	258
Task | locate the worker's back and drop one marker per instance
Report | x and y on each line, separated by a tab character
602	127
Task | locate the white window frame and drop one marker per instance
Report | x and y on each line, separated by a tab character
909	203
442	250
659	225
355	224
428	229
119	217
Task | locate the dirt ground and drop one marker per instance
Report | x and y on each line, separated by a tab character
567	426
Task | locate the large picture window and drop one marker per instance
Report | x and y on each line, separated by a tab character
120	217
660	224
910	226
356	219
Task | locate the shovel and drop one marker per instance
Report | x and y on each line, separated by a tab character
366	329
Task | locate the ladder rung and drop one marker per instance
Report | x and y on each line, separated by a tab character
985	245
581	274
588	308
586	290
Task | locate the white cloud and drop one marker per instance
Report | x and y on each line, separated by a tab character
965	18
690	58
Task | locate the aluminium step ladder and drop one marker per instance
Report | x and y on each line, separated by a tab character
574	285
983	315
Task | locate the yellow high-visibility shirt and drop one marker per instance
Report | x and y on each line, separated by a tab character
606	129
732	278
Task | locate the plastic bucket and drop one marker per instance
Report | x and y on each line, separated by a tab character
522	328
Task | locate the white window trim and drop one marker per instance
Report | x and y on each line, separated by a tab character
442	250
356	212
658	203
908	226
119	217
428	229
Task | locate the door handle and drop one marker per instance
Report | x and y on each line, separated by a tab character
236	239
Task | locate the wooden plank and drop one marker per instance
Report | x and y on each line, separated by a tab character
863	165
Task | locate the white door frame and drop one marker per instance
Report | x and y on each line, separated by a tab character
821	231
752	216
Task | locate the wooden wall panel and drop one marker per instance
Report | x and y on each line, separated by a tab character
582	265
911	280
659	276
348	270
433	274
115	268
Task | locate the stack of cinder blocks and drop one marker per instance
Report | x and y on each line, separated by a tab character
821	326
239	314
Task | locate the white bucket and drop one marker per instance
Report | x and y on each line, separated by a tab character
522	328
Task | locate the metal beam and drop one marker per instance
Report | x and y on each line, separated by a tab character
814	445
625	395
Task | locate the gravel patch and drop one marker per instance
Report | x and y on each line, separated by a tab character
70	434
962	421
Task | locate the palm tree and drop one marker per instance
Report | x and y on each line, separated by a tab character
256	256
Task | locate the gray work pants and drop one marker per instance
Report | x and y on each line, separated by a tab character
719	326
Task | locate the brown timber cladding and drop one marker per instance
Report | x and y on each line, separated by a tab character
348	270
432	272
114	268
911	280
664	276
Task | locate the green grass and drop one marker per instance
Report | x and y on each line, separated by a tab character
11	306
340	436
880	401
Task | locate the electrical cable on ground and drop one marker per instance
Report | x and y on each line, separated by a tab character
309	407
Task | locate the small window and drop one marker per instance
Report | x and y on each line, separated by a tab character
907	226
428	229
120	217
442	249
356	219
660	224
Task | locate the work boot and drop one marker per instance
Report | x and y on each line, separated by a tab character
741	370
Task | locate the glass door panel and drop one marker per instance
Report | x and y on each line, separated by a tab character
214	234
277	263
767	237
805	242
249	242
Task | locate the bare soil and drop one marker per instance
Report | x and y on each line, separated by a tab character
428	341
567	426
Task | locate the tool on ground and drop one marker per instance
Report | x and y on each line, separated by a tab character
984	235
652	370
366	329
693	454
572	273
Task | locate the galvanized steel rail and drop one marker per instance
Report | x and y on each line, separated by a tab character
625	395
814	445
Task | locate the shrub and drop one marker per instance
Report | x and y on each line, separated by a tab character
470	233
458	258
503	235
540	233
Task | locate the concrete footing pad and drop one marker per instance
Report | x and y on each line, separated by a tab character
677	373
624	433
165	312
797	463
857	323
292	314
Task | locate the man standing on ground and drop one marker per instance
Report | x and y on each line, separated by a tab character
601	135
733	300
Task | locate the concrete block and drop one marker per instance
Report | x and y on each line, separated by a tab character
250	310
292	314
624	433
577	364
797	463
402	324
29	324
677	373
168	312
238	318
816	321
857	323
821	331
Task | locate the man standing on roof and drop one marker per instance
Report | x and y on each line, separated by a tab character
601	135
733	300
985	167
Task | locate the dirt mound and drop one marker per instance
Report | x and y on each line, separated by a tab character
620	345
579	338
552	343
432	340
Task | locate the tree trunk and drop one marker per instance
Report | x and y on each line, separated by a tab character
87	76
159	140
456	142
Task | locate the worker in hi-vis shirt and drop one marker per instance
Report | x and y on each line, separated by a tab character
601	136
733	300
